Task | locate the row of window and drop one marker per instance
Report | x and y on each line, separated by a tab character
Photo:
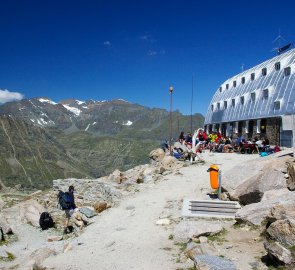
287	72
265	95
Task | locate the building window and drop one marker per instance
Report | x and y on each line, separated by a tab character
243	80
277	66
277	105
218	106
225	104
265	93
233	102
227	86
220	89
252	76
212	107
234	83
252	97
264	71
287	71
242	100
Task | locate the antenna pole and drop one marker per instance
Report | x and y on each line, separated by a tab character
192	103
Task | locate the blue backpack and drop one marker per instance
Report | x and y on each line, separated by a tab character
64	200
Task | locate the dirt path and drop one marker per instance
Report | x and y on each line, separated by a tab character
127	237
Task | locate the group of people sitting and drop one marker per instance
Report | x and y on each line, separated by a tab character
216	142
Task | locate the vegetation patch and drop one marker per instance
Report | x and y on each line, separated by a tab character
219	237
10	257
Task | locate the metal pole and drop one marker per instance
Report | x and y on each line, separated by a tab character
293	134
219	184
170	143
192	104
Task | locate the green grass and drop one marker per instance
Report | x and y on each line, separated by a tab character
10	257
170	237
219	237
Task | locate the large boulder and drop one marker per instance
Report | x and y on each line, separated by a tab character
274	193
283	231
282	211
248	182
278	253
168	161
116	176
30	212
186	230
256	213
157	154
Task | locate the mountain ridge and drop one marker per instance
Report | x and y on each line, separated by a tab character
89	135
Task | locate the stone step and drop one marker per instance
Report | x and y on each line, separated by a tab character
209	208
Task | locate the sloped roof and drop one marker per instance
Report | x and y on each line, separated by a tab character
281	89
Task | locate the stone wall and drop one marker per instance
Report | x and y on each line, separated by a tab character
273	130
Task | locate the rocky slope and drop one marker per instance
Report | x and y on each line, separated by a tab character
44	140
32	157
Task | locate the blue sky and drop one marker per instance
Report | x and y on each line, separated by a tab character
134	50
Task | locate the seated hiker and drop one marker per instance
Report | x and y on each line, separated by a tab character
266	146
69	212
188	139
164	145
181	137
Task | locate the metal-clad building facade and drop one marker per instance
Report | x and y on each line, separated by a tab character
257	102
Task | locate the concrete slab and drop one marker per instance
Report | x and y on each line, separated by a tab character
209	208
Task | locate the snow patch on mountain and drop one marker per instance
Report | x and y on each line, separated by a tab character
128	123
45	100
93	123
87	127
72	109
123	100
79	102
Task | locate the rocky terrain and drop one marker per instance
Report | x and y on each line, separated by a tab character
42	140
135	215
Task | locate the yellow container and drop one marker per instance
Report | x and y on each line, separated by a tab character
214	176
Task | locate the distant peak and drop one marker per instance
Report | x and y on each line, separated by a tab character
47	100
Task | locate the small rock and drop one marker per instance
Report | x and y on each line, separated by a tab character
163	221
53	238
203	239
286	176
67	247
130	207
110	244
100	206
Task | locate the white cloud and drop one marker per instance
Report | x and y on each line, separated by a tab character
6	96
107	43
148	37
151	53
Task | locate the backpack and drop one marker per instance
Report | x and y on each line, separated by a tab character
46	221
64	200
